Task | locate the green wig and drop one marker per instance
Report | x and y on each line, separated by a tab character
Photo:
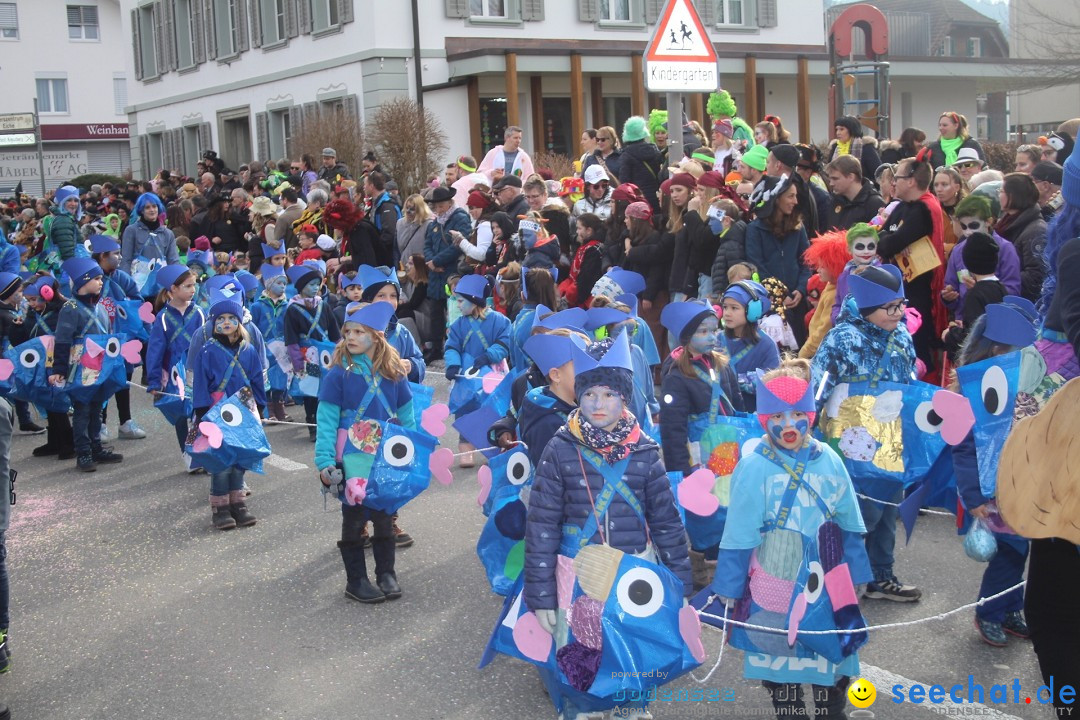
721	105
657	121
974	206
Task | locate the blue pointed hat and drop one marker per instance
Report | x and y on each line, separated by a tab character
1024	306
618	282
682	318
613	369
270	251
551	351
629	301
345	281
81	270
103	244
225	280
768	403
374	315
876	285
369	275
473	288
168	275
269	272
1008	325
570	318
226	302
598	317
203	257
247	281
301	275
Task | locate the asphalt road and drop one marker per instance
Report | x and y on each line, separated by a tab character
127	604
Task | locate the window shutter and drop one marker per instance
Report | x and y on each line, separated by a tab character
766	13
90	15
178	149
262	135
211	22
168	20
74	16
243	35
296	122
161	49
255	15
707	12
198	32
166	150
653	8
144	156
352	106
136	44
589	10
457	8
303	14
312	111
532	10
206	140
345	11
292	22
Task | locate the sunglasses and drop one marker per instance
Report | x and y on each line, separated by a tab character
744	196
970	226
296	167
864	246
603	139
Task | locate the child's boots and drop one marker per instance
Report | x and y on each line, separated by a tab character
382	549
357	585
238	509
222	518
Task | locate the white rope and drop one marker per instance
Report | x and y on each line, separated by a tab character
896	505
720	657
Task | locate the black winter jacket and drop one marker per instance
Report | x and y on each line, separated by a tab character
844	213
732	250
1028	234
685	396
641	165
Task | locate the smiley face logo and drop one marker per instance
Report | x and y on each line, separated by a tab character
862	693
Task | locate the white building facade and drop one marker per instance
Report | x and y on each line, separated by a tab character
72	57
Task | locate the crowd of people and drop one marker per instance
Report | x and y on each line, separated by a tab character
732	274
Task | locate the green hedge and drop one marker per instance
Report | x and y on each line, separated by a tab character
84	182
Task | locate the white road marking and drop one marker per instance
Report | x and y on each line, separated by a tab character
285	464
883	680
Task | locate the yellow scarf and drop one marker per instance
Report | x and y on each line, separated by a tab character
843	148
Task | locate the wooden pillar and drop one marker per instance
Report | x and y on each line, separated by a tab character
750	111
637	86
655	101
577	98
537	98
803	99
512	111
476	139
596	97
696	111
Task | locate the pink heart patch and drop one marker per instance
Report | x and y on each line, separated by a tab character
6	368
146	312
440	463
491	381
355	490
200	445
212	433
690	629
798	611
130	351
48	341
695	493
93	349
433	419
957	419
532	640
483	476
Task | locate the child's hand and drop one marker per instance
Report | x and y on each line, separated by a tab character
452	371
57	380
505	440
547	619
980	512
949	294
408	366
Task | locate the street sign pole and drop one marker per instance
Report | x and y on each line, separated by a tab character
675	126
40	149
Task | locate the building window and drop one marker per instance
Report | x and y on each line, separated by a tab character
191	150
185	35
52	95
155	144
729	12
280	133
947	48
225	25
9	21
119	85
614	10
324	15
974	48
273	21
488	9
82	22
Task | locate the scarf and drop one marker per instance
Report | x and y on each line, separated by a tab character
937	280
950	148
613	445
444	218
843	148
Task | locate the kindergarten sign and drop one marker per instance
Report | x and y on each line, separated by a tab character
680	57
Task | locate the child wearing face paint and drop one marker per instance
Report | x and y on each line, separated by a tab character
539	291
750	352
15	330
350	290
268	314
606	319
544	408
307	317
871	342
476	339
1001	330
973	215
380	284
226	363
45	301
366	382
201	264
697	385
862	241
275	256
176	321
82	315
790	492
599	480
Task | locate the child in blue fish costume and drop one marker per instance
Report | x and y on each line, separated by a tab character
367	382
544	409
792	554
307	318
268	314
45	301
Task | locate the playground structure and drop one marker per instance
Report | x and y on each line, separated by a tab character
860	87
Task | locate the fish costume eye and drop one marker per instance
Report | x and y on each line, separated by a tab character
112	347
231	415
926	419
518	468
29	358
995	390
640	592
398	451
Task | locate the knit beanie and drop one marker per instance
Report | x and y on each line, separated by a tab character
980	254
1070	181
756	157
9	283
635	128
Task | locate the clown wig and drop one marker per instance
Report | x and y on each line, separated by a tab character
829	251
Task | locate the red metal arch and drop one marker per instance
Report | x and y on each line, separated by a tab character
873	25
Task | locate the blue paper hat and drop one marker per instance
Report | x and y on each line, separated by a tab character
682	318
1024	306
319	265
301	275
103	244
220	282
369	275
739	292
473	288
203	257
247	281
270	251
876	285
9	283
617	357
769	404
346	281
1007	325
569	318
551	351
168	275
598	317
613	369
34	288
269	272
81	271
627	281
629	301
374	315
226	302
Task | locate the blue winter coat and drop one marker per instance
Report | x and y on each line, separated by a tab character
558	497
463	345
542	414
170	338
209	371
520	332
200	336
747	359
682	397
402	340
80	316
119	285
10	257
269	316
779	258
440	249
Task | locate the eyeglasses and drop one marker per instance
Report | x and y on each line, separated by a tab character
895	309
296	167
602	139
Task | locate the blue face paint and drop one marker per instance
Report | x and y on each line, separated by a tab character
311	289
277	285
601	406
464	306
788	429
717	226
704	338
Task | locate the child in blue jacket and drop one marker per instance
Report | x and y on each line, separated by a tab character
606	319
268	314
381	285
307	318
750	352
45	301
366	382
226	363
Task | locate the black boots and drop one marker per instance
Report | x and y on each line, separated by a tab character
382	550
222	518
86	463
357	585
388	585
238	509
